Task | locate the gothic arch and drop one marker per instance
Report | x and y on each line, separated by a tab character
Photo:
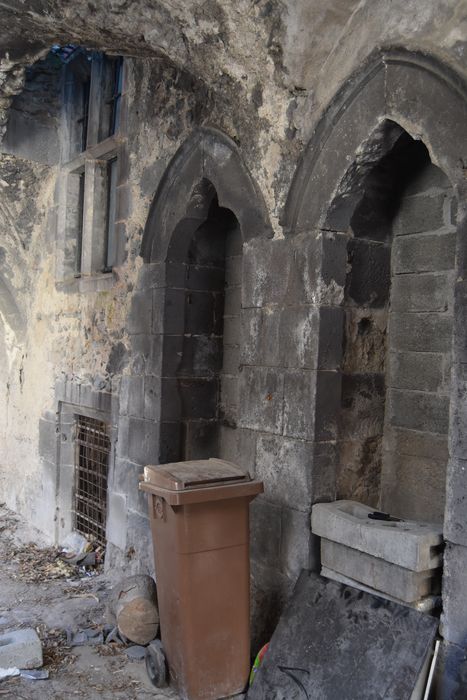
427	99
417	91
206	155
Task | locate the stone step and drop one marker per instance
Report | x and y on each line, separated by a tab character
412	545
379	575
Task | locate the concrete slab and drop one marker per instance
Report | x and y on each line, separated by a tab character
380	575
334	641
425	605
415	546
20	648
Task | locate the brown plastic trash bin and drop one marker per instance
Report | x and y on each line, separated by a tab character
199	513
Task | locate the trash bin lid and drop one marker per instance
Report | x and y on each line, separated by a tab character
195	474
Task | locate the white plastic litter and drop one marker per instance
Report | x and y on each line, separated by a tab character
6	673
74	543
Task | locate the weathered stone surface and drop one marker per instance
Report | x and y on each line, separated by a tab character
409	442
298	549
261	336
417	332
378	574
428	292
281	461
420	214
143	441
450	679
288	112
419	371
48	440
304	273
323	625
299	396
417	410
412	545
424	605
328	393
265	532
454	617
117	520
20	649
368	280
265	272
262	392
140	318
424	253
455	519
414	486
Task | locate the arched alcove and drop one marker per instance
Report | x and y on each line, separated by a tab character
397	94
205	207
206	154
201	344
398	322
415	90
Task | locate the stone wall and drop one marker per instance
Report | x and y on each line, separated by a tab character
286	132
420	350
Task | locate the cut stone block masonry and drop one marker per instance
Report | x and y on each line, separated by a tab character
20	649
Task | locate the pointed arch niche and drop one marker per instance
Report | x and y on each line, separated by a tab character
205	208
382	182
398	301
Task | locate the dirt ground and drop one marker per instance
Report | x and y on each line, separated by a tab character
30	596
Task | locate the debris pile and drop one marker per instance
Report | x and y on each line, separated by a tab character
38	564
55	651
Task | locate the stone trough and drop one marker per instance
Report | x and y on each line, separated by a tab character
398	559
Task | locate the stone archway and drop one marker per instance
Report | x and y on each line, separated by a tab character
428	100
206	195
206	192
206	154
397	302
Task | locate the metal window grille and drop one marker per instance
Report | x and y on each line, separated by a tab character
91	467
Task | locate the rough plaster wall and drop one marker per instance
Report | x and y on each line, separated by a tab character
27	390
33	124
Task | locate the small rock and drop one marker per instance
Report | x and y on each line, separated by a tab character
136	652
85	637
115	636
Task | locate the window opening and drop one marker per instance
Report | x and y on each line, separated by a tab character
110	246
66	53
79	236
84	118
114	101
91	468
93	96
